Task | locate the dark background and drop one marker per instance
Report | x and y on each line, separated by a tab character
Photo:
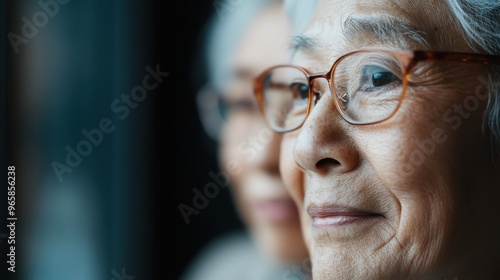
129	189
192	155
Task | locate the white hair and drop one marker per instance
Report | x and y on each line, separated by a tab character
480	20
300	12
224	35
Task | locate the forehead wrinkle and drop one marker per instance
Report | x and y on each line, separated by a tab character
383	30
357	30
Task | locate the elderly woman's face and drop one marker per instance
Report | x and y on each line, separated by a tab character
250	150
412	197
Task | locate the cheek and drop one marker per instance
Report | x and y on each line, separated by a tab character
412	156
240	141
233	160
414	201
292	176
231	157
424	142
422	159
243	154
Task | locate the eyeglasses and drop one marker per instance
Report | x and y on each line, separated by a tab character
215	107
211	115
367	86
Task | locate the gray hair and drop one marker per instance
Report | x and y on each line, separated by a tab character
224	35
480	20
300	12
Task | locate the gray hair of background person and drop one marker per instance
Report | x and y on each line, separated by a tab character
300	12
224	36
480	20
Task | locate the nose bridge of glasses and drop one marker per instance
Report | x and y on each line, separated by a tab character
320	83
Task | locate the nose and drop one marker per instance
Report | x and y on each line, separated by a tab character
324	143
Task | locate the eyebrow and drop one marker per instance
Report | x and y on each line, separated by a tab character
302	43
385	30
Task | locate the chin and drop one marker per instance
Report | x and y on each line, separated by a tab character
282	242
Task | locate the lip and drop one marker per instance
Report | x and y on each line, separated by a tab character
277	210
335	216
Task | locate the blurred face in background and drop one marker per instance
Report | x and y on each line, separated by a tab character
249	145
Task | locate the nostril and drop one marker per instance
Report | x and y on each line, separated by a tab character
273	169
327	162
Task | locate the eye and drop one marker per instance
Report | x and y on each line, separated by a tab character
244	106
241	105
374	77
382	78
300	90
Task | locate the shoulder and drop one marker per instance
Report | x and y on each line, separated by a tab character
233	242
232	256
225	255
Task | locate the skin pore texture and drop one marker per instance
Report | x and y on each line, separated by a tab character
416	196
247	143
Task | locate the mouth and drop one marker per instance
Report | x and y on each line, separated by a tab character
277	210
334	216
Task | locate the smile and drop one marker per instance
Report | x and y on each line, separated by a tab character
333	216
